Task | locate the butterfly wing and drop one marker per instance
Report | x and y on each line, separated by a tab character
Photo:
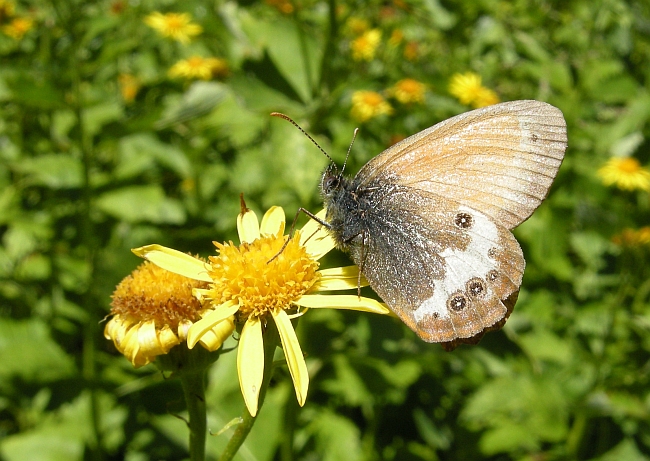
500	159
448	271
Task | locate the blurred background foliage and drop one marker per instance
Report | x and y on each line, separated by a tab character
115	133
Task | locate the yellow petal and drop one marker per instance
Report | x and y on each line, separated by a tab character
316	238
174	261
293	354
340	278
250	363
248	227
167	339
208	322
351	302
273	221
214	338
130	346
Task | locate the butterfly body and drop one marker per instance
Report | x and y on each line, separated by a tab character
428	220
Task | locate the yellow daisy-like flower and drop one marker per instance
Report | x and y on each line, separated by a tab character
408	91
625	173
468	89
364	47
198	67
369	104
129	86
178	26
153	310
633	237
262	281
18	27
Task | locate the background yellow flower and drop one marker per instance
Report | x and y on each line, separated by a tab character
625	173
468	89
178	26
369	104
364	47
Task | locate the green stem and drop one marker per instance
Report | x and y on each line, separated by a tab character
271	342
194	390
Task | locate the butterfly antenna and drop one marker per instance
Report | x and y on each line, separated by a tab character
354	136
289	119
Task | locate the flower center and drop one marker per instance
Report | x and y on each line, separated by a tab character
152	293
259	279
629	165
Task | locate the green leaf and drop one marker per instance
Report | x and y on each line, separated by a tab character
29	353
295	52
140	151
197	101
94	118
142	203
56	171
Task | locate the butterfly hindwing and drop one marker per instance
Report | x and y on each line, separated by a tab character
443	268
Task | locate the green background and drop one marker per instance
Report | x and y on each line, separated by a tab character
85	176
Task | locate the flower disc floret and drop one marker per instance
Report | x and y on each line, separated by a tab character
259	277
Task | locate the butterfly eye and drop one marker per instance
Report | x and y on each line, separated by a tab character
330	182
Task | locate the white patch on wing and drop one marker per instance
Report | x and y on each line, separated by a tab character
460	266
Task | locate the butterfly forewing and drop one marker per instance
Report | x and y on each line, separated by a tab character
500	159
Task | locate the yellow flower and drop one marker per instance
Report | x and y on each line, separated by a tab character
625	173
198	67
178	26
408	91
18	27
261	281
411	51
365	46
468	89
129	86
369	104
7	9
153	310
396	37
284	6
357	26
633	237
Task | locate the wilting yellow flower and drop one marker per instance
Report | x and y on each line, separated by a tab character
357	26
178	26
262	281
364	47
198	67
284	6
396	37
7	9
633	237
129	86
18	27
153	310
369	104
411	51
408	91
625	173
468	89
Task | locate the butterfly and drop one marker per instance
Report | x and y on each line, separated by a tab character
428	221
